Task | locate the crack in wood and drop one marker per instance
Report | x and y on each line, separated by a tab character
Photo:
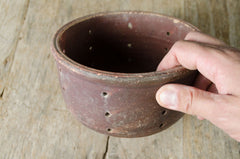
7	63
106	150
1	94
11	56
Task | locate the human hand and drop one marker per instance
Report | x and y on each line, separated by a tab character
216	92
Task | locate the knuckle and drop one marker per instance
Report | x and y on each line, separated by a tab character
189	102
178	46
186	98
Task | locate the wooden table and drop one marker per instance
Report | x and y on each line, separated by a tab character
34	122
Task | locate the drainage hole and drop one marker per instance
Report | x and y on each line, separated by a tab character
161	125
168	33
108	129
104	94
164	112
107	114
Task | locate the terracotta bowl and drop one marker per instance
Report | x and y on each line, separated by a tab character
107	64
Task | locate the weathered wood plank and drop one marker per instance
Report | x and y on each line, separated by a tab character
201	138
234	22
164	145
210	16
11	21
172	8
37	124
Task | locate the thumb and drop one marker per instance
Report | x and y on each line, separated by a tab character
188	99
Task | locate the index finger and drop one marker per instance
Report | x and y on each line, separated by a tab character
194	56
170	60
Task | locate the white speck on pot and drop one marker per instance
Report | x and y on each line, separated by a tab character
89	32
176	21
129	45
130	26
90	48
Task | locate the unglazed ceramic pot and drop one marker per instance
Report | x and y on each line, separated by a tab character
107	64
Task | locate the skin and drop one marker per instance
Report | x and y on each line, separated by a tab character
216	92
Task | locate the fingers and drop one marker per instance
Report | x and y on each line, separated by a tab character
185	53
215	96
189	100
170	60
191	55
203	38
222	110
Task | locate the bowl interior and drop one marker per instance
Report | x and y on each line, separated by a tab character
123	42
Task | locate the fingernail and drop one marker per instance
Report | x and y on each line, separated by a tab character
169	99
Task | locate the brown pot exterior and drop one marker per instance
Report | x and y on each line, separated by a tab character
110	101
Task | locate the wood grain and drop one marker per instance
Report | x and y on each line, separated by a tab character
10	28
34	122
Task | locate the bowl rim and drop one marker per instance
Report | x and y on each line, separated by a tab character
76	67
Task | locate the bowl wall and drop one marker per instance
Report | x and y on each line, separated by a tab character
107	66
